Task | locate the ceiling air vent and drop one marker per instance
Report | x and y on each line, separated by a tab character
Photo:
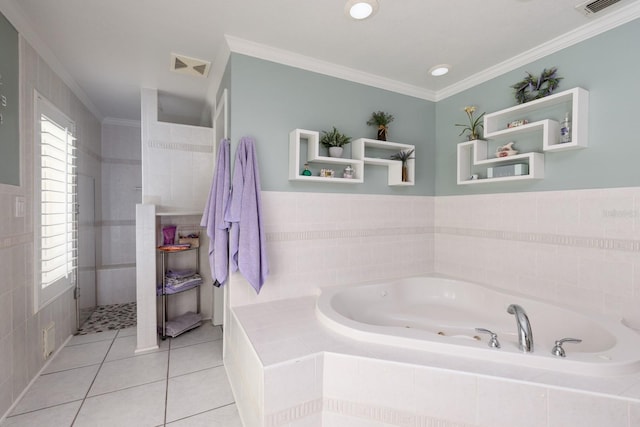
192	66
590	7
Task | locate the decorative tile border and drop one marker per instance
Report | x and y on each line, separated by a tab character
289	236
626	245
18	239
176	146
88	151
361	411
116	223
115	266
295	413
114	161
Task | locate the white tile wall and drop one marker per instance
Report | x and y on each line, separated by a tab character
116	285
121	191
315	240
21	330
177	160
580	248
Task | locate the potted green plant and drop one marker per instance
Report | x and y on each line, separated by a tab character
381	120
403	156
335	141
475	125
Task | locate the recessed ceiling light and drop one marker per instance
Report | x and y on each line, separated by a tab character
439	70
361	9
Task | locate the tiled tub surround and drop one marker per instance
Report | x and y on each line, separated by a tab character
576	248
316	240
286	369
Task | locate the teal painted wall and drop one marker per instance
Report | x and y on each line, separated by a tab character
9	108
268	100
608	66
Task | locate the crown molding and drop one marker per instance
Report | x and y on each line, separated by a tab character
612	20
620	16
13	13
121	122
269	53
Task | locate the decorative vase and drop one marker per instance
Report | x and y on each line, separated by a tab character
382	133
335	151
405	173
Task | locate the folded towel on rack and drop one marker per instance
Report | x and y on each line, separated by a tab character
179	274
247	247
174	285
183	323
213	216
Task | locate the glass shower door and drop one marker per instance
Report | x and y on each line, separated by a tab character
86	298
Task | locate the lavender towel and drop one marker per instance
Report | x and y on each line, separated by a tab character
247	247
213	216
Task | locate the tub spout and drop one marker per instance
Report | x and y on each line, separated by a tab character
525	336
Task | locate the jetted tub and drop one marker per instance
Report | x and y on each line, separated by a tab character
441	315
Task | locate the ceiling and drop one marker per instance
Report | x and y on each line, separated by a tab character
113	48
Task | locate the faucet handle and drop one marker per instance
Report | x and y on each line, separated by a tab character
493	341
557	349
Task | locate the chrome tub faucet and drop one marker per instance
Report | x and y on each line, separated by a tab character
525	336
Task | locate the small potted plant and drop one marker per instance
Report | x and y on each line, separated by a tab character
403	156
475	125
335	141
381	120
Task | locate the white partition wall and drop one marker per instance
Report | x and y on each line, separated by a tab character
177	161
177	169
146	277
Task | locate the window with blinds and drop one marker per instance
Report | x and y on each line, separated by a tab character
56	216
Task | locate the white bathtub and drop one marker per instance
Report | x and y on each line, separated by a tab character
440	315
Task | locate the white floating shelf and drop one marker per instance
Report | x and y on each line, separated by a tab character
577	102
394	177
313	156
474	153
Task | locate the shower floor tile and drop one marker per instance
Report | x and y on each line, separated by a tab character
110	317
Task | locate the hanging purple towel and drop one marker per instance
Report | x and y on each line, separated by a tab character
248	252
213	216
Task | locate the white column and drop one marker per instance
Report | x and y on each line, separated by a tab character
146	277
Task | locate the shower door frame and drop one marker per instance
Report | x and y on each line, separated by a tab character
86	182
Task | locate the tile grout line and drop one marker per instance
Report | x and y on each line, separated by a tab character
166	388
204	412
125	388
94	379
41	409
221	365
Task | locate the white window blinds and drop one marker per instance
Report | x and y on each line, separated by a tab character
56	215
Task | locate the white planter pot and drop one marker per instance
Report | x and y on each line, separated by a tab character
335	151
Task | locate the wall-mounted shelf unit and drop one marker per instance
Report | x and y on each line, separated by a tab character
359	148
313	156
576	103
474	153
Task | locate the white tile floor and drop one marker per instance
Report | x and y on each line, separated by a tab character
96	380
